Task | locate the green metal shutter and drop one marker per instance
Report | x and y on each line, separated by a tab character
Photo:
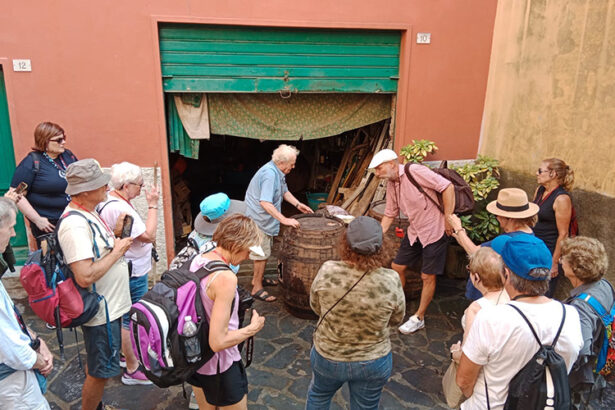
203	58
7	168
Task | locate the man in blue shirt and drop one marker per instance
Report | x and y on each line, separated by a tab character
21	351
263	200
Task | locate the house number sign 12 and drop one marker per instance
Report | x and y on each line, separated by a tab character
22	65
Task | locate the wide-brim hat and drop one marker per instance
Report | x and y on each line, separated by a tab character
85	175
512	203
207	227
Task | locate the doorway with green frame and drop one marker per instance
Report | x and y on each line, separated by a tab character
7	167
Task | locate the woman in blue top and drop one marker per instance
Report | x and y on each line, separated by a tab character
43	170
555	180
516	216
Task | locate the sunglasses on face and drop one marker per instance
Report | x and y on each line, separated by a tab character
59	140
542	171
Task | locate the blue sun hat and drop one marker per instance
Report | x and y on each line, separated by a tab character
215	209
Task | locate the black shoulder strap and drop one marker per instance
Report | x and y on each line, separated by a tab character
539	192
339	300
561	325
100	209
36	159
418	186
209	268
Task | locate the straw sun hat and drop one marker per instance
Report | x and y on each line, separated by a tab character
512	203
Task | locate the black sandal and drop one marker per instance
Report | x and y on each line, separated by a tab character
270	282
264	295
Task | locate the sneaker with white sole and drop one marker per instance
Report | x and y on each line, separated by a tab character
193	405
122	361
135	378
412	325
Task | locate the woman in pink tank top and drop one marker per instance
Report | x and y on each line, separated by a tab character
222	381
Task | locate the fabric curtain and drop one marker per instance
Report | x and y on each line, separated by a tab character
276	117
179	141
299	116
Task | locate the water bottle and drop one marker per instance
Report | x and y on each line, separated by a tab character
191	341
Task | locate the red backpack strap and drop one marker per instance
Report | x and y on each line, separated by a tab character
419	187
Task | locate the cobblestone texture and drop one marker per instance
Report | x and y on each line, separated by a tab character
280	373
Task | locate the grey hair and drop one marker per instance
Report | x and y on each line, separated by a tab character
124	173
531	287
6	206
284	153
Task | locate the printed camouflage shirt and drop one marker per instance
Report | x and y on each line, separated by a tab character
357	329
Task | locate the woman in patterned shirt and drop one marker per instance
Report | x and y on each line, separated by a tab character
357	300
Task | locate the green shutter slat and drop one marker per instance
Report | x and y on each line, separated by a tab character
271	85
253	47
201	58
278	59
193	70
192	32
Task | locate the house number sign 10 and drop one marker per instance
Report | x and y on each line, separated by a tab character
423	38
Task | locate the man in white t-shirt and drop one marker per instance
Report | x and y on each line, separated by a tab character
500	342
96	258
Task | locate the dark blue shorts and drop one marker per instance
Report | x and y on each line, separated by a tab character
103	360
433	255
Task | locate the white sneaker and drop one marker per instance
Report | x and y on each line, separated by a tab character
412	325
193	405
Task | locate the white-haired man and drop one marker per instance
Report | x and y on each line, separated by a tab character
426	239
263	200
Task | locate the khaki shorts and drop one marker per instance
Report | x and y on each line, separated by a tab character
266	245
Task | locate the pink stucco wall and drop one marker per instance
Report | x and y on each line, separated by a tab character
95	66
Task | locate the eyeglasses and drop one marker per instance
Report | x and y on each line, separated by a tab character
139	185
542	171
59	140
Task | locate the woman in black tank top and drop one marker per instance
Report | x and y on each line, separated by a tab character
555	180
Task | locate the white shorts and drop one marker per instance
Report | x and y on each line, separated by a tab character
20	390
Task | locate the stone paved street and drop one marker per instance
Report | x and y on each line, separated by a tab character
280	373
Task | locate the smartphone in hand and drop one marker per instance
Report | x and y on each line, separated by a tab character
21	188
127	226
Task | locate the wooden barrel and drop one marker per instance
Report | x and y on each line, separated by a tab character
414	284
303	252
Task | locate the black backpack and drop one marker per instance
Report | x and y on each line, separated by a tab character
543	382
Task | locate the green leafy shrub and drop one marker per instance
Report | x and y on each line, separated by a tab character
418	150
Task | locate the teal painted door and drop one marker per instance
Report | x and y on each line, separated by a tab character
203	58
7	167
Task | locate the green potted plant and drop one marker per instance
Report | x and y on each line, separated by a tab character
483	176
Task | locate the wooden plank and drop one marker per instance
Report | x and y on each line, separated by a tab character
340	170
360	207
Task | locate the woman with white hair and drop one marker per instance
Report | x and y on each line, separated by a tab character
126	183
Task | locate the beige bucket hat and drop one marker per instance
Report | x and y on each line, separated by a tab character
512	203
85	175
